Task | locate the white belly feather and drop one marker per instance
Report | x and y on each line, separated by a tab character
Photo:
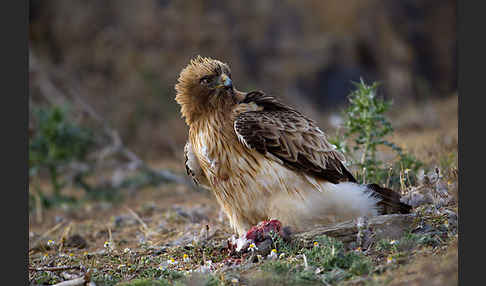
272	191
296	200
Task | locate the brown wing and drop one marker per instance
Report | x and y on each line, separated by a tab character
291	138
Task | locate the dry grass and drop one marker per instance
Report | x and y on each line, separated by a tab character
158	223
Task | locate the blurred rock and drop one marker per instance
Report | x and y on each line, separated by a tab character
124	220
382	227
415	198
195	215
77	241
58	219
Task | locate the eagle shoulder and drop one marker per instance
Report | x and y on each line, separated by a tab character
283	134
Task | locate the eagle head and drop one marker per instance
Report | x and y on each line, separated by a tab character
204	84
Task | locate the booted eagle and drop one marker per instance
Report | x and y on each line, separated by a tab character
265	160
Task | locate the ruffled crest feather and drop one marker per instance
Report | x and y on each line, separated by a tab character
190	95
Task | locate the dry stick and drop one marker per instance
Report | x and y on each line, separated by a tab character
110	238
306	265
58	268
85	280
388	178
48	90
38	207
390	226
55	96
402	182
146	229
64	235
74	282
135	161
364	175
48	232
69	276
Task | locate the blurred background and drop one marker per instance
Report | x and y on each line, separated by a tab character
106	139
122	58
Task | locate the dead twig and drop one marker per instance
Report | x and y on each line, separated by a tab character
69	276
110	237
38	206
56	268
390	226
55	96
36	245
74	282
64	236
145	229
85	280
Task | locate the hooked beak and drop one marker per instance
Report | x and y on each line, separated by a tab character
225	82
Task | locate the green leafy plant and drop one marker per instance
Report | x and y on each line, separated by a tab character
366	124
289	248
284	273
57	142
407	242
330	255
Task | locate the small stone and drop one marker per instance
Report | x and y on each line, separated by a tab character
58	219
124	220
76	240
265	247
415	198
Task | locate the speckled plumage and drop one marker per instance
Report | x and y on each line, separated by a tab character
261	158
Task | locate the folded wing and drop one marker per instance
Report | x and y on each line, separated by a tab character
285	135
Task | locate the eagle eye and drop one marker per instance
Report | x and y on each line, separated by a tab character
205	80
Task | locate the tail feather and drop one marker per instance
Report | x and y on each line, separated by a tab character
390	200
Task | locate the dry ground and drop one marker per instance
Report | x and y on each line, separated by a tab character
138	237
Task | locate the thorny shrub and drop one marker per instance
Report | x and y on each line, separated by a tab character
366	124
